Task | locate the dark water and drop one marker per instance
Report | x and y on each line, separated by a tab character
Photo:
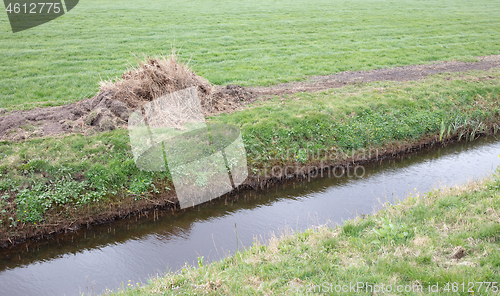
110	255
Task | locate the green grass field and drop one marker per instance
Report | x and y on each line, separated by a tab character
240	42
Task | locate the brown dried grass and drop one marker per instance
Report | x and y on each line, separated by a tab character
153	78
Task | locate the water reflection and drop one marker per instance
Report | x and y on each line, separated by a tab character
136	248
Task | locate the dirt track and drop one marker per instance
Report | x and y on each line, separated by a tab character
406	73
102	113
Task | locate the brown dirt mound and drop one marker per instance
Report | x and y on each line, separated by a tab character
225	99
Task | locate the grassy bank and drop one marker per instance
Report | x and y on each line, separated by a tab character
428	242
245	42
307	127
73	179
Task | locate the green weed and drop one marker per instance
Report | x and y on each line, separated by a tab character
389	231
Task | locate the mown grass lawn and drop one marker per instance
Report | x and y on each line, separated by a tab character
240	42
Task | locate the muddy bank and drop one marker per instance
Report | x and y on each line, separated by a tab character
87	217
143	207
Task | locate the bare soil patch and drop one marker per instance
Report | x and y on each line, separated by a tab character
407	73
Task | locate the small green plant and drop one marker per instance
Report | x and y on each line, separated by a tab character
7	183
13	222
329	244
33	202
495	183
302	156
34	165
141	185
3	170
200	261
389	231
442	130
